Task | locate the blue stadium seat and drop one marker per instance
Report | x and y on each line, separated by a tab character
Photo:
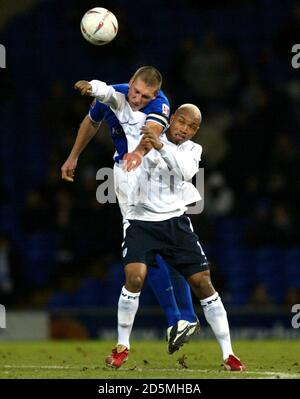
230	230
291	268
39	257
92	292
60	300
269	270
8	218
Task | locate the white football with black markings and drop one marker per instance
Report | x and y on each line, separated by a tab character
99	26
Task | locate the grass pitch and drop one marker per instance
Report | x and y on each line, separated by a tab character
148	359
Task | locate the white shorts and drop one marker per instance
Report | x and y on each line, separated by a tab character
125	185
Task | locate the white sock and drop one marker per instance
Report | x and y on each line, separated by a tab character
216	317
127	308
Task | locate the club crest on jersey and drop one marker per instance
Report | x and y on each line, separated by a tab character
166	109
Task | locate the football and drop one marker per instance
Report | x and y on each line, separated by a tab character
99	26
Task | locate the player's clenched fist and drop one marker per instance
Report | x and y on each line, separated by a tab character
132	160
84	87
150	138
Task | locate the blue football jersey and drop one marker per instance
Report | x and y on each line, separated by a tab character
160	106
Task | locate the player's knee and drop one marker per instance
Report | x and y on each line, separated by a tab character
204	280
202	285
135	282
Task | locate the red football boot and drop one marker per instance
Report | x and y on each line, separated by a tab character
233	363
117	357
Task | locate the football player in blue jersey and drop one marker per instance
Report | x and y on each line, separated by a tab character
144	94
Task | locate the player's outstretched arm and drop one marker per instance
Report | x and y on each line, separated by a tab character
106	94
86	132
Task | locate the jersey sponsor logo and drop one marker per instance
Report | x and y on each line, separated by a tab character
117	130
166	109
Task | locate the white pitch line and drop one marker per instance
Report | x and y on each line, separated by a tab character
9	366
270	373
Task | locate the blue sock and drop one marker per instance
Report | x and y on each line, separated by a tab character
183	296
159	280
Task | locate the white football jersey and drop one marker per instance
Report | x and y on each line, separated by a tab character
159	189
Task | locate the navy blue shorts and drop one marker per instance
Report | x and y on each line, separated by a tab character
173	239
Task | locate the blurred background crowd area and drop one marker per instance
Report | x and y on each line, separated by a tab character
59	247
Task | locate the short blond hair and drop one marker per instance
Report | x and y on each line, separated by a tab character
149	75
192	109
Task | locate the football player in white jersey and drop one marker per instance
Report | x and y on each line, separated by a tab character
160	226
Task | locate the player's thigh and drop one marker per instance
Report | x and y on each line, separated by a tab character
140	241
187	249
201	279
